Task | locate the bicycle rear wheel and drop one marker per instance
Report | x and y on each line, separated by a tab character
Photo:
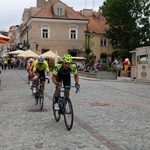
55	112
68	114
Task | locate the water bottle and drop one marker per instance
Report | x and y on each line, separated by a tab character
59	101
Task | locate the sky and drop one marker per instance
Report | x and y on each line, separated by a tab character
11	10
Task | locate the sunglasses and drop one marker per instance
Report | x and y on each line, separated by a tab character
67	63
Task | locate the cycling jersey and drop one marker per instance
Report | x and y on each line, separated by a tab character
63	74
38	67
59	69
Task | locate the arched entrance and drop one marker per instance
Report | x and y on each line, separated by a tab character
103	56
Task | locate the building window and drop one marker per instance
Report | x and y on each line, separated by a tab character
103	42
59	11
45	31
73	32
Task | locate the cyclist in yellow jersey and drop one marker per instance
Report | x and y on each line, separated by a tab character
39	69
61	73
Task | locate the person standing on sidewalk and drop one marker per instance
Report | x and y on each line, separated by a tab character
5	63
126	67
119	67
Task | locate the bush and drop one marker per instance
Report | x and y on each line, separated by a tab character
105	67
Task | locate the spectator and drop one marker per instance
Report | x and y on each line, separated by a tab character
5	63
119	67
126	66
116	61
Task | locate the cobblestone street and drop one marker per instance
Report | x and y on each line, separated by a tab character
108	115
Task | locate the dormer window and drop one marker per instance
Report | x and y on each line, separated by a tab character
59	11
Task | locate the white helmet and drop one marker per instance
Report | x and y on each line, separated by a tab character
40	59
31	60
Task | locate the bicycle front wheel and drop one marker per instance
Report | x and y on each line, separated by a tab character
55	112
68	114
36	98
41	102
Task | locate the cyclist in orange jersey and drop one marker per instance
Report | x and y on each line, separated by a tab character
30	69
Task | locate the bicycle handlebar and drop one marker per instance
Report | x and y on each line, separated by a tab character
77	90
40	78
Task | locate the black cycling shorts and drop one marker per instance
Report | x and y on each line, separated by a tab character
41	74
65	78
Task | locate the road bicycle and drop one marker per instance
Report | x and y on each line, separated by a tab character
37	90
65	107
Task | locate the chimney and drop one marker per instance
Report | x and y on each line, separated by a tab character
100	14
87	12
41	3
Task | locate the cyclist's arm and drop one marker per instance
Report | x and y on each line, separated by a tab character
47	68
31	68
34	68
54	79
75	73
48	74
54	74
76	78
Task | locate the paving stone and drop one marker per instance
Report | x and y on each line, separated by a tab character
108	115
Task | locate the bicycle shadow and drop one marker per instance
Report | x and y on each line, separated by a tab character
37	110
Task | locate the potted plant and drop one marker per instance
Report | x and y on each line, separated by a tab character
106	72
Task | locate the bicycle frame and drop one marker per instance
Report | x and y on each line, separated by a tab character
65	94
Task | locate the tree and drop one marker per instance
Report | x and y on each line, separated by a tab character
129	22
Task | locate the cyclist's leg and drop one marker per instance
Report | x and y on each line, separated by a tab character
59	79
42	74
57	92
36	81
31	78
28	75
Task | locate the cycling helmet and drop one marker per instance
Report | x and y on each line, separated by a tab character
31	60
41	59
67	58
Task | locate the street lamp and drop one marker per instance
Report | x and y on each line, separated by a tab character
88	36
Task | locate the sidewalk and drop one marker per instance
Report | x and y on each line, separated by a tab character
92	76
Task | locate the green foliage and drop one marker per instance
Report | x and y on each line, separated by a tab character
104	67
91	58
129	23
